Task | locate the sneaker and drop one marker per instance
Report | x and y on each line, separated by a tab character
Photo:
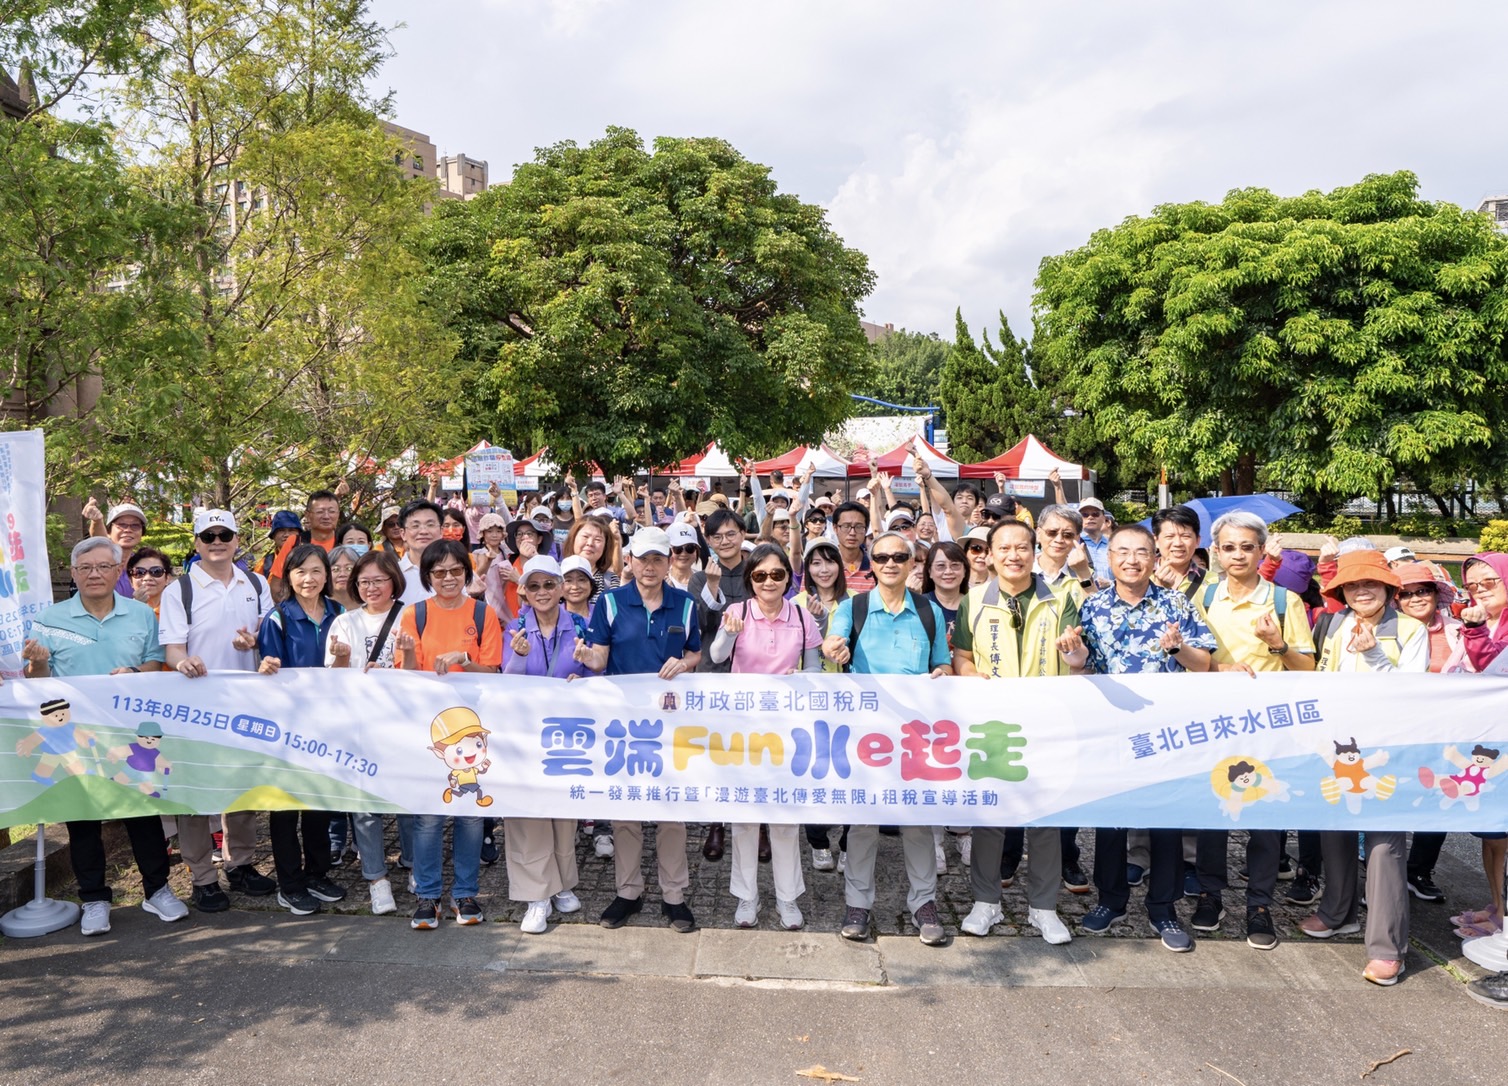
679	916
248	880
965	849
1173	936
747	913
618	911
1074	879
930	924
567	902
382	897
298	902
468	912
842	862
1136	874
1190	882
490	853
1490	990
982	917
602	844
536	918
217	847
1423	887
855	924
1097	920
1304	891
96	918
1383	972
165	905
1046	921
326	890
790	916
210	899
822	859
1286	868
1207	914
1260	934
940	857
337	857
1316	928
427	916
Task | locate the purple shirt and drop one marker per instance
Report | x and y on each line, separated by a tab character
553	656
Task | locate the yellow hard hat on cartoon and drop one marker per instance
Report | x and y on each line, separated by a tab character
453	724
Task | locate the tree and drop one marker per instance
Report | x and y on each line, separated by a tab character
1330	343
624	306
988	394
907	367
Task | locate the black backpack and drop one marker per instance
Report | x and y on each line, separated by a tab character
861	612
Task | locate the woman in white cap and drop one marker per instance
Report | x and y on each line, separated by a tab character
687	552
124	525
542	851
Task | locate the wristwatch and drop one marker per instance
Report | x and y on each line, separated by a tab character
1280	651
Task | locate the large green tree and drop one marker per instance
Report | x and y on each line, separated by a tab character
625	305
1329	343
989	394
906	368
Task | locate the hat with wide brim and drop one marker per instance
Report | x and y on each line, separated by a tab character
516	526
1360	566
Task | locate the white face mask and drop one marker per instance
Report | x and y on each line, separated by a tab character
564	507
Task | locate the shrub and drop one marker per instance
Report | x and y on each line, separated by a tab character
1494	536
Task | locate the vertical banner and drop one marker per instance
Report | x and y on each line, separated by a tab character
25	577
485	467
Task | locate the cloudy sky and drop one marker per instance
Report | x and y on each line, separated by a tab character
959	143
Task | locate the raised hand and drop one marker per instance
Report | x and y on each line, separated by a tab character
836	649
1172	638
244	641
92	511
340	652
732	623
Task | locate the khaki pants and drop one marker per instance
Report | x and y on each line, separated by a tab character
195	844
541	857
670	850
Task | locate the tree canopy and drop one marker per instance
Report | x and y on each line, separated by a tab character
989	395
1329	343
906	367
626	305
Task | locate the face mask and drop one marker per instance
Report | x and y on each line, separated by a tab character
564	507
359	548
453	532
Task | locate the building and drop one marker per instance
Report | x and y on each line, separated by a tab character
1497	207
17	96
462	175
876	332
418	157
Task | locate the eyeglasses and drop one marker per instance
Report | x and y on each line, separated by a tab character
684	549
899	558
216	535
1091	512
760	576
541	586
851	526
976	548
726	537
374	582
1062	533
1141	553
1238	548
1415	593
451	573
1486	584
89	571
148	571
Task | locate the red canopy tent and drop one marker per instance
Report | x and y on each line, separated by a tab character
1027	459
828	464
711	461
898	461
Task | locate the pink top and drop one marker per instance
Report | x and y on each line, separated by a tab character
773	646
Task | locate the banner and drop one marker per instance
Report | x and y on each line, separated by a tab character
1025	488
488	466
1417	752
25	575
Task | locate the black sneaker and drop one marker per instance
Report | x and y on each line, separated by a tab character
1007	876
1423	887
248	880
1260	934
1207	914
1074	880
1286	870
1304	891
298	902
618	912
856	924
679	916
468	912
427	916
490	853
210	899
1491	990
326	890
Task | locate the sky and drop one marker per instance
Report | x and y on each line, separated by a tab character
958	143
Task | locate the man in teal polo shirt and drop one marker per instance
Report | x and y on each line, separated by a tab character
893	640
100	632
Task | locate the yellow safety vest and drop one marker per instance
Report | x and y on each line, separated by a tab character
1004	652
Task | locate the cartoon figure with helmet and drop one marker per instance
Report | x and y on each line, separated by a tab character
458	739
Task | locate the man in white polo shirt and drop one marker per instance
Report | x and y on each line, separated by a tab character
209	622
420	522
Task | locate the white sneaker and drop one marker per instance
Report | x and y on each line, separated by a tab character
822	859
413	885
537	918
96	918
603	845
842	862
966	849
982	917
790	916
567	902
942	858
164	905
382	897
1046	921
747	913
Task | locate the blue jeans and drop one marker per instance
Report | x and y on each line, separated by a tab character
429	855
406	841
367	830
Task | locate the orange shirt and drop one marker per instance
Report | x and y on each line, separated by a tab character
287	548
454	631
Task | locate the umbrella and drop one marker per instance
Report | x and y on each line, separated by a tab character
1266	506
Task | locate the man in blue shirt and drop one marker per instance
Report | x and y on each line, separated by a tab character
100	632
1139	627
1096	544
893	640
646	627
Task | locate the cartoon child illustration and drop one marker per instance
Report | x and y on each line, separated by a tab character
1469	784
460	741
142	760
1240	782
1353	777
59	741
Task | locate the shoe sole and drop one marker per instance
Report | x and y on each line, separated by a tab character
1176	949
1487	1001
215	908
1206	926
1423	896
935	940
252	893
424	925
1330	933
325	899
567	912
469	921
1076	888
147	906
1121	919
1261	946
855	936
1302	901
614	923
1386	982
296	911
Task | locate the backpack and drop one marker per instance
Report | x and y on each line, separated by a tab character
1279	601
861	612
478	618
186	592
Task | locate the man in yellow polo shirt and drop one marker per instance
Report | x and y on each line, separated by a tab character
1258	626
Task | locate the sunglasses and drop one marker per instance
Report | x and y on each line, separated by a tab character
216	535
454	573
148	571
760	576
976	548
1063	533
1486	584
1238	548
1013	611
899	558
1415	593
541	586
686	548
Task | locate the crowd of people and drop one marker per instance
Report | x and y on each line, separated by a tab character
774	579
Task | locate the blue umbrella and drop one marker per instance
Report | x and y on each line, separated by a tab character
1266	506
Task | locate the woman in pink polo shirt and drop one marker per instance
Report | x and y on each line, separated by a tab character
767	634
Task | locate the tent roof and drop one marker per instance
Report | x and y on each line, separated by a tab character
827	463
898	460
709	462
1027	459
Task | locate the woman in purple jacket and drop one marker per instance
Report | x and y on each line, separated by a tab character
542	851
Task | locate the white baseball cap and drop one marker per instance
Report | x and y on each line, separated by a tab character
895	516
539	512
542	563
214	518
574	564
649	541
779	515
125	509
863	492
1394	554
681	534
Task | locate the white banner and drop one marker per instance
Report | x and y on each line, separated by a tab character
25	575
1418	752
